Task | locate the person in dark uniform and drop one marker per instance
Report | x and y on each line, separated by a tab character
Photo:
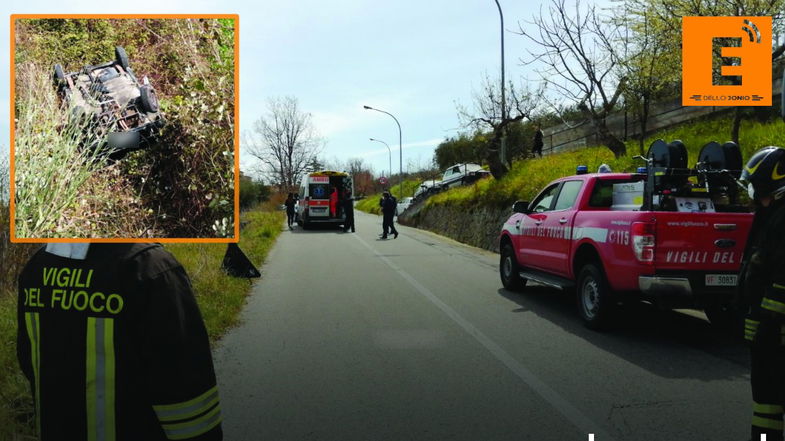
537	148
348	209
289	210
388	213
113	344
763	287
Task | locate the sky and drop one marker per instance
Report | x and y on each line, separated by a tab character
413	59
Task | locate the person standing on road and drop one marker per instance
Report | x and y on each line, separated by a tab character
763	287
348	210
537	149
290	210
113	344
334	202
388	213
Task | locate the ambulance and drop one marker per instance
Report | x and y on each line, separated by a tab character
313	206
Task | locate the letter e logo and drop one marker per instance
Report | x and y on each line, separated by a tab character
726	61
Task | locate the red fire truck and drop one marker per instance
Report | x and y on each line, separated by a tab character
668	234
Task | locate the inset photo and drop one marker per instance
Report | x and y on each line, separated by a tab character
124	129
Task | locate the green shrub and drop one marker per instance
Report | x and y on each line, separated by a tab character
370	204
252	192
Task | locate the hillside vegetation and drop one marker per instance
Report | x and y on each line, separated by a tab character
528	177
370	203
181	186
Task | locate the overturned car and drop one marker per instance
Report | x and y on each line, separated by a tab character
121	112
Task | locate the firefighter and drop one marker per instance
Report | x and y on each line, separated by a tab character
763	285
389	204
289	204
348	210
113	344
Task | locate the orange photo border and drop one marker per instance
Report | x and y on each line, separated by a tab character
236	238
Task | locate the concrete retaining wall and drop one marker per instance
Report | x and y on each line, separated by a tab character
476	226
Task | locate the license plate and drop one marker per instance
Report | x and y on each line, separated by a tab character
721	279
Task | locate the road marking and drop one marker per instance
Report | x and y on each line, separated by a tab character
570	412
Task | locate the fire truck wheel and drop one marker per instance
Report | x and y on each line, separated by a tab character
595	300
509	270
725	318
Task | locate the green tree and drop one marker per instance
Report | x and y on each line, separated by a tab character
252	191
646	58
462	148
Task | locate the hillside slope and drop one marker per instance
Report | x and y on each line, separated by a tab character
473	214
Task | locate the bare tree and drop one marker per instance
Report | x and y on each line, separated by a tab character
647	58
285	141
487	114
577	63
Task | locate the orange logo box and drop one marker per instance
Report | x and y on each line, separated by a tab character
740	47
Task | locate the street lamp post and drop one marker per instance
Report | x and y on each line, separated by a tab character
400	145
503	152
388	149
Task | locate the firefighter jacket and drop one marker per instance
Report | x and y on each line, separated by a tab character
388	206
763	274
115	348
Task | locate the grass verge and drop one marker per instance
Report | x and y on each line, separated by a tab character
370	204
220	299
220	296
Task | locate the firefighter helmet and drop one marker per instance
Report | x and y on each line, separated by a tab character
764	173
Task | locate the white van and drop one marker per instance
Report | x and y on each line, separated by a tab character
460	174
314	204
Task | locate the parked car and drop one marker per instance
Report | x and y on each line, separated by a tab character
403	204
615	237
427	188
460	174
120	112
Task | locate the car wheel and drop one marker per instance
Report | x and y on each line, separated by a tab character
121	57
59	76
595	300
148	100
509	271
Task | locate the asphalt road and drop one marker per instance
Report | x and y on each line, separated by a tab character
348	337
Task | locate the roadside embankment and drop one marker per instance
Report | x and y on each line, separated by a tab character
473	214
478	226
